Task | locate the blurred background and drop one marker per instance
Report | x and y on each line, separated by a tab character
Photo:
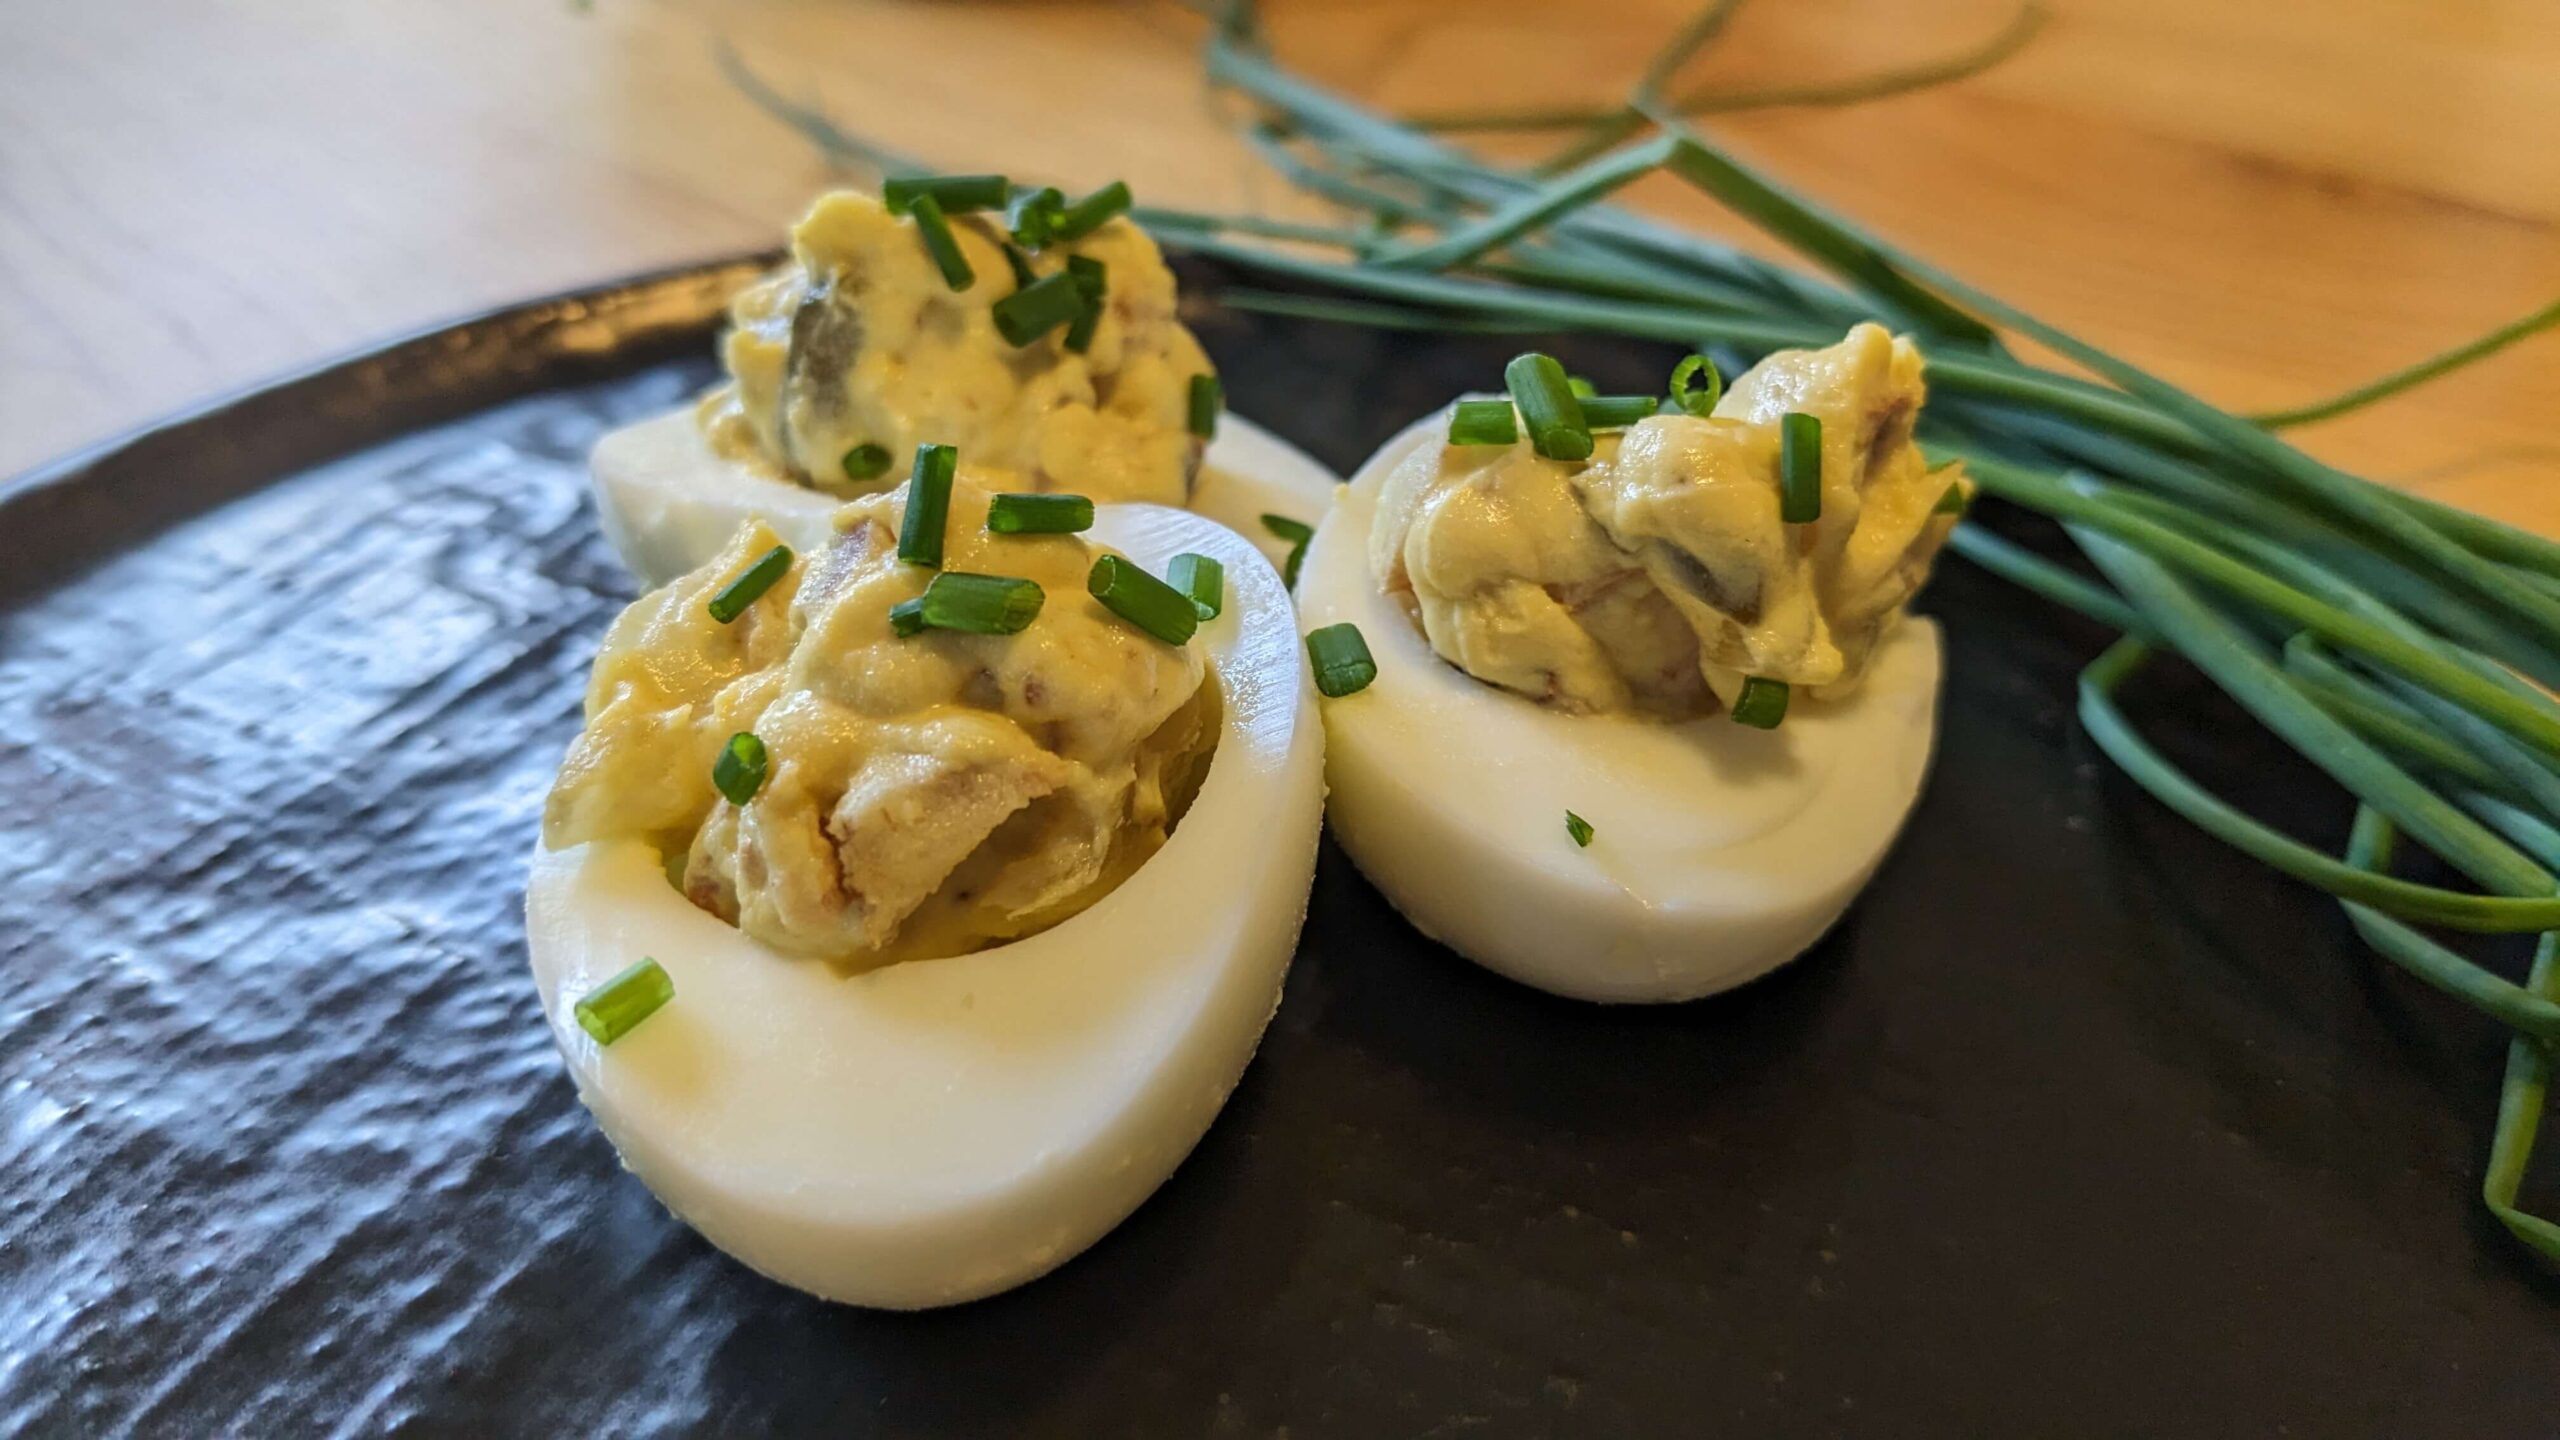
2264	201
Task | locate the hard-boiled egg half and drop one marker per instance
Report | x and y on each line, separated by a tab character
1037	335
1561	768
968	946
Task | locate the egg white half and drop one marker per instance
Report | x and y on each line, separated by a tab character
944	1129
668	503
1720	851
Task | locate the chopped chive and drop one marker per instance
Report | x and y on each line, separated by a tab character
1208	397
1090	277
1578	828
1296	532
1954	501
1020	265
1762	703
1201	578
1142	599
1483	422
952	194
1547	407
1582	389
1092	212
928	505
739	772
1289	568
1341	658
971	604
1038	308
1696	402
1033	215
610	1010
866	462
941	244
1800	468
1617	412
749	587
1018	514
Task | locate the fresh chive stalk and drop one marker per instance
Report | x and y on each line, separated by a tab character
749	587
1201	578
1341	659
1143	600
867	462
1617	412
1091	213
941	244
1688	394
1762	705
1208	398
1579	828
951	194
928	505
1032	216
1799	468
1297	533
1020	266
1547	407
1038	308
1019	514
1092	281
609	1011
970	604
738	772
1484	422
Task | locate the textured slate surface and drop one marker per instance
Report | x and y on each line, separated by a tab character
2077	1126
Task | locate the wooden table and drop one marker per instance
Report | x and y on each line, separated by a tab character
2265	202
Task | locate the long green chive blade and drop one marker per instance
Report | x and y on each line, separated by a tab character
1484	422
1201	578
1296	532
952	194
941	244
1341	658
608	1012
749	587
1018	514
928	505
1688	394
1617	412
1800	468
1091	281
1954	501
1092	212
738	773
1208	397
1762	703
1032	216
1547	407
867	462
1038	308
1142	599
1579	828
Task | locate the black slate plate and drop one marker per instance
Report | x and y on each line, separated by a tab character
2077	1126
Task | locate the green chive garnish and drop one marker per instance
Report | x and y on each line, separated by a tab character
1800	468
1039	514
1617	412
1090	278
1696	402
1296	532
739	772
1038	308
1582	389
866	462
1578	828
1033	216
1020	265
610	1010
1953	502
941	244
1484	422
952	194
1762	704
1208	397
1547	407
749	587
928	505
1341	658
1201	578
972	604
1092	212
1142	599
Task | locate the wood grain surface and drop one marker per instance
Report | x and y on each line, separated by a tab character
2266	202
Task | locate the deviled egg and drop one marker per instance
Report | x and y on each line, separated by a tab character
950	885
1037	336
1646	711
